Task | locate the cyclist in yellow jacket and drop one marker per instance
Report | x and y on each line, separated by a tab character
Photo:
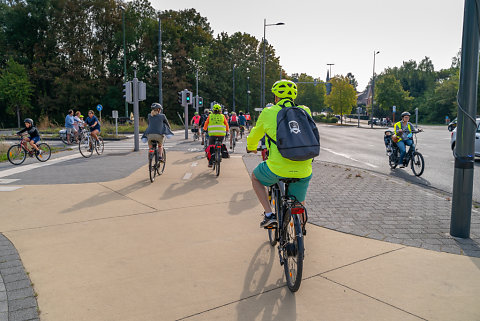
217	127
276	166
404	131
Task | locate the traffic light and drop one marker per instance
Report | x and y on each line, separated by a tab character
180	97
127	92
188	97
200	102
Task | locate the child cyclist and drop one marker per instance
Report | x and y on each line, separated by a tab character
33	134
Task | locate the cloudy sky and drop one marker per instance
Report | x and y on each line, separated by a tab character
341	32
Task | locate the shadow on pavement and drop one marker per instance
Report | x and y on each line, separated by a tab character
258	297
242	201
407	174
107	196
198	182
183	161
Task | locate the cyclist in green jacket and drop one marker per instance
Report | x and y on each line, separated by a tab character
276	166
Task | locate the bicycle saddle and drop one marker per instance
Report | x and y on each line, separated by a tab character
289	180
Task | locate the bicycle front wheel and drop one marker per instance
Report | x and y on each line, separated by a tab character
152	165
418	164
16	154
162	162
293	251
85	147
45	152
99	145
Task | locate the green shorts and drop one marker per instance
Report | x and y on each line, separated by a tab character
268	178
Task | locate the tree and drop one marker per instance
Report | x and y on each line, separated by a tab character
15	89
310	95
389	92
352	81
343	96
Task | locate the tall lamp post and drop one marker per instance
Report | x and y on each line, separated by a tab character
233	91
124	56
330	66
373	86
265	25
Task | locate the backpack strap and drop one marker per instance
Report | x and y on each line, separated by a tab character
270	140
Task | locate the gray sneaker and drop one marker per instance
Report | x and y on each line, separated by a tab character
269	221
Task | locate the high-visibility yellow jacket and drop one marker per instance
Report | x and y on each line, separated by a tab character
267	124
216	125
398	126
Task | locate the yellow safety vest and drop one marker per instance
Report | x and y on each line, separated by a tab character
399	126
216	125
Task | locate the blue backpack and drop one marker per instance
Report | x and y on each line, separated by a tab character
297	134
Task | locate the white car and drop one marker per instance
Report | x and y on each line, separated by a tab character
453	140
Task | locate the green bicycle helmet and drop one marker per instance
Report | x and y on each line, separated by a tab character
217	107
285	89
196	113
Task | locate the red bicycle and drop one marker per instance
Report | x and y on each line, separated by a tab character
17	153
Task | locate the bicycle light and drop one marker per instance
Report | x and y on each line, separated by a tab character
298	210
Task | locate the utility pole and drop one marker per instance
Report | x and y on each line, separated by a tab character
196	96
233	92
160	75
124	57
135	110
466	124
373	85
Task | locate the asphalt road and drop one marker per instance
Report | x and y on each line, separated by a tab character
364	148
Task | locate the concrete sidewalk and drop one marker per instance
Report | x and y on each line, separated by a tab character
188	247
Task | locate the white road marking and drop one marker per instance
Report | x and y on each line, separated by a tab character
187	176
348	157
8	180
194	164
235	156
9	188
25	168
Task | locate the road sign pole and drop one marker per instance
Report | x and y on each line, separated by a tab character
135	112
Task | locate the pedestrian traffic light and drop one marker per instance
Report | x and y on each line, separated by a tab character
180	97
200	102
188	97
127	92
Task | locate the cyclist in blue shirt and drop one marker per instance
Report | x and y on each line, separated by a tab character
94	124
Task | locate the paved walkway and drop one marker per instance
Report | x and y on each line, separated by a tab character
188	247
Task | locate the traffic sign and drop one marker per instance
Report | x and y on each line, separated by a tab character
258	109
114	113
99	107
394	108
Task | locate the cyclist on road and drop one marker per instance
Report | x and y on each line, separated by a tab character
94	124
404	131
276	166
217	127
234	127
158	127
195	122
33	134
248	117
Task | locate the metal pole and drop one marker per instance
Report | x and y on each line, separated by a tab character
185	115
358	114
160	75
416	117
263	66
124	57
233	92
196	97
466	125
373	87
135	110
248	94
116	126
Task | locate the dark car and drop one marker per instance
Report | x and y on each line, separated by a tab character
124	120
376	121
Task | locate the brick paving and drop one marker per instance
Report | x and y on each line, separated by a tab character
382	207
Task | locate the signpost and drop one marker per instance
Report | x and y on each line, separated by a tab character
258	109
394	108
115	115
99	108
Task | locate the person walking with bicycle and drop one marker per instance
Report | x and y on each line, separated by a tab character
404	132
33	134
70	126
277	167
217	126
158	127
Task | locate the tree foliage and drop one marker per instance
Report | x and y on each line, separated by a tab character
343	96
389	92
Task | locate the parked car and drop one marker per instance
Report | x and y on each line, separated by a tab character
124	120
452	125
376	121
453	139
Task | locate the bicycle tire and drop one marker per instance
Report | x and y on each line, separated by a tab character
16	154
46	152
293	252
152	164
99	146
161	162
418	164
85	148
218	159
234	140
273	197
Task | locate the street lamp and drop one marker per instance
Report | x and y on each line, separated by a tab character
233	92
248	90
265	25
124	56
330	66
373	85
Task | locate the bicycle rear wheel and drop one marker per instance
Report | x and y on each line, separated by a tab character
161	162
85	147
273	196
152	165
16	154
45	152
293	251
418	164
218	159
99	145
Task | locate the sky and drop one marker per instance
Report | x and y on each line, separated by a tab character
345	33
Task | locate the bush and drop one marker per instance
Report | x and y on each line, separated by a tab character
323	119
332	120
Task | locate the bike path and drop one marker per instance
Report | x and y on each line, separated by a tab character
188	247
